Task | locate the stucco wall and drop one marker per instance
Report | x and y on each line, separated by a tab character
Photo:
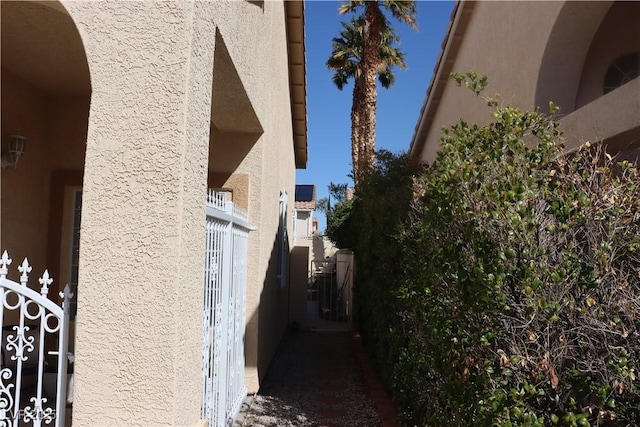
303	223
152	67
148	145
506	42
259	55
536	52
605	118
140	308
67	132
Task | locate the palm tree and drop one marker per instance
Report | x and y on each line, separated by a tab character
371	61
347	61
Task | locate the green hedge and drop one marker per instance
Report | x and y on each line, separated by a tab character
501	285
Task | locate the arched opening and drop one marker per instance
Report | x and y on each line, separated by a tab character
587	40
613	53
46	93
611	64
565	53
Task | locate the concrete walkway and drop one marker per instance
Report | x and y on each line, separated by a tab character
319	379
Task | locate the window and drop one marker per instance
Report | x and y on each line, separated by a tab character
283	240
623	70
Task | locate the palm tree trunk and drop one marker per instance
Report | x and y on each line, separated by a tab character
371	60
357	145
356	129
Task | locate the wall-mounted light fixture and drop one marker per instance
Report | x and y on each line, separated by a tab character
15	149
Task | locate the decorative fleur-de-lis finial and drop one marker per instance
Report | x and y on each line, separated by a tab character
4	262
25	269
66	296
45	281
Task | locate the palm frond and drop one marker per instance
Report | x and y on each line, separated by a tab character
350	6
386	78
402	10
340	79
347	52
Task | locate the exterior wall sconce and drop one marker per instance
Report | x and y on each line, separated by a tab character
16	148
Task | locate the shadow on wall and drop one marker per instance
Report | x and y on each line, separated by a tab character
271	316
322	248
317	248
235	127
228	149
562	63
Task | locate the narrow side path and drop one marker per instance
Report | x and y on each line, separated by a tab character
314	380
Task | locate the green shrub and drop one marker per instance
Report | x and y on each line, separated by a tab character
501	285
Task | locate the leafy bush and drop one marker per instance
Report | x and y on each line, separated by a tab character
501	285
339	226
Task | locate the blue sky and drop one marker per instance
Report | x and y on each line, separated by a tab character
328	109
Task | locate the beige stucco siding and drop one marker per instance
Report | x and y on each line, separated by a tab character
509	53
139	317
617	35
259	55
178	91
605	118
534	53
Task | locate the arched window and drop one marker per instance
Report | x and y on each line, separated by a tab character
623	70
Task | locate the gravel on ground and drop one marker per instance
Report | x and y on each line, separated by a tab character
314	380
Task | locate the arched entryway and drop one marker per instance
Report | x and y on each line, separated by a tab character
46	94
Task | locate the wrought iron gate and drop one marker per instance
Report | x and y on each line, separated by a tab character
329	299
227	235
31	325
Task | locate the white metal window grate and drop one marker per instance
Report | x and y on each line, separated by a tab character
227	235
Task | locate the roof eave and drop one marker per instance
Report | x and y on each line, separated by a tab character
459	20
294	13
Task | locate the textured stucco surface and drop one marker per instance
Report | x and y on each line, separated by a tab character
532	53
147	138
139	321
260	59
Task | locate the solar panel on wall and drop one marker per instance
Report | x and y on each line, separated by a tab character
304	193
